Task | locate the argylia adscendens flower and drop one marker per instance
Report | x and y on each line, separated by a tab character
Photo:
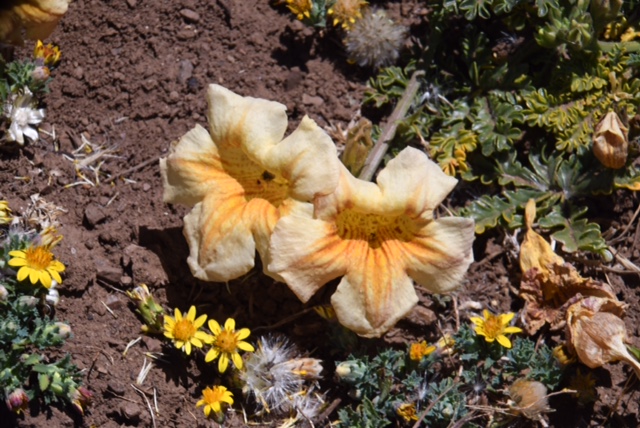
214	398
185	331
241	177
226	343
37	263
36	18
495	327
378	237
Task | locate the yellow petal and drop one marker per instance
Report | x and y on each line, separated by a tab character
242	333
204	337
223	362
23	273
503	340
34	276
214	327
245	346
187	348
17	262
191	315
55	275
505	319
212	355
230	324
45	278
512	330
237	360
199	322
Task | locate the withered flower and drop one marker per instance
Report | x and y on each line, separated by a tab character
597	333
529	399
549	285
611	141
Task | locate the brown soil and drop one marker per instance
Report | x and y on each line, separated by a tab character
133	77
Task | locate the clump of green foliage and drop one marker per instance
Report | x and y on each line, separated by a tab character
29	331
441	385
511	94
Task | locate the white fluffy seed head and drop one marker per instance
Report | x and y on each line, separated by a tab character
276	373
375	40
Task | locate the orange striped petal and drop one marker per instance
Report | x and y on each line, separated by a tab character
440	253
308	253
374	294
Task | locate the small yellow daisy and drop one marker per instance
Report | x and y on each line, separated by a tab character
419	350
38	264
346	12
184	331
214	398
495	327
300	8
226	344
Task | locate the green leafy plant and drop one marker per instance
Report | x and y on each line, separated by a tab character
29	330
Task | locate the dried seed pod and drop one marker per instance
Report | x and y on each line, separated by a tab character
597	332
528	399
611	141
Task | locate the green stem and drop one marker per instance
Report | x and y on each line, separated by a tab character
389	131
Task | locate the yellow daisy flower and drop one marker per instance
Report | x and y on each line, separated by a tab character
226	344
346	12
495	327
184	331
214	398
419	350
38	264
240	177
300	8
379	237
49	55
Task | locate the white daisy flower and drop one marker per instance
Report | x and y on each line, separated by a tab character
23	116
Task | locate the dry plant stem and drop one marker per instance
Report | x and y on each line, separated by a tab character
389	131
132	169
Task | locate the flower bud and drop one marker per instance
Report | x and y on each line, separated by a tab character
27	301
52	297
611	141
81	398
64	330
351	371
17	401
40	74
4	294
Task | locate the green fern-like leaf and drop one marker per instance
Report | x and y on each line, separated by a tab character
576	233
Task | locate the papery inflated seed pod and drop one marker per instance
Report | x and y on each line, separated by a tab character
528	399
611	141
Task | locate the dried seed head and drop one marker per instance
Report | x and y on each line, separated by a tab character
375	40
597	332
528	399
611	141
